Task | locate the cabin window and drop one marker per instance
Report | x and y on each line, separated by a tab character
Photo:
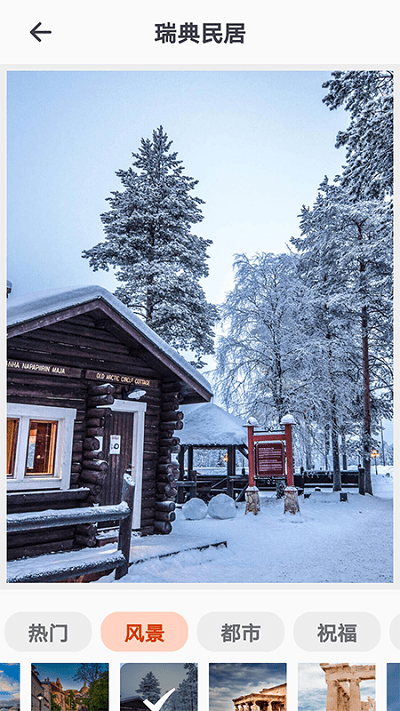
39	446
40	458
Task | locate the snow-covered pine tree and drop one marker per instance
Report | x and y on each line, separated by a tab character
148	241
368	97
332	374
184	697
354	269
149	688
190	682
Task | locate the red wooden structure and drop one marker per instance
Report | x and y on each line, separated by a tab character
267	452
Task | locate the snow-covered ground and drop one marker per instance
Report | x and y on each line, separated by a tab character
328	542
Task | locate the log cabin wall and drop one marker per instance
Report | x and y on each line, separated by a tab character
167	469
86	343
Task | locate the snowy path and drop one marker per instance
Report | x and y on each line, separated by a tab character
329	542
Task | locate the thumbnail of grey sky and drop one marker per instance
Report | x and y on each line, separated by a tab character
228	681
169	675
258	142
312	688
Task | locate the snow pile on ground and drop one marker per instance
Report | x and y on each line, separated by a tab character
222	507
195	509
328	542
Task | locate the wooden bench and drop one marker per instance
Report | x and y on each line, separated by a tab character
56	567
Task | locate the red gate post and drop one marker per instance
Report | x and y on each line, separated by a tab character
291	498
252	493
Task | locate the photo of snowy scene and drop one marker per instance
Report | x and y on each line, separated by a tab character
335	687
9	687
171	686
233	687
200	315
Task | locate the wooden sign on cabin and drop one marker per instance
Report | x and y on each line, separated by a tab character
120	378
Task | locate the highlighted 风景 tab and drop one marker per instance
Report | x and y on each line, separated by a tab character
144	631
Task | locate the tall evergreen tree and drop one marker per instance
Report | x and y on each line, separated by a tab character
190	692
354	270
149	688
148	240
185	696
368	97
330	337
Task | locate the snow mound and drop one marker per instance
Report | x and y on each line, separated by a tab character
222	506
194	509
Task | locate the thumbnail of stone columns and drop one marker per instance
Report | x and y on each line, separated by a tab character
343	685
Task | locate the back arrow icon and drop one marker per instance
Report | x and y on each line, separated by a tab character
35	32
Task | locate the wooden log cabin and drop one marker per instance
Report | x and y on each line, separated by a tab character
91	392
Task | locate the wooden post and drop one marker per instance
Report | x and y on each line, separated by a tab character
125	527
181	458
289	454
291	499
252	494
250	435
190	459
230	470
361	480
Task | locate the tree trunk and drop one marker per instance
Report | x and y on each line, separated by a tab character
327	447
344	449
337	479
308	446
366	432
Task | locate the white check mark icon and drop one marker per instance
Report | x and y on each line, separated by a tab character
160	702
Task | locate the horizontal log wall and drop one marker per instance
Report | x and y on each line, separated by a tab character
167	467
83	342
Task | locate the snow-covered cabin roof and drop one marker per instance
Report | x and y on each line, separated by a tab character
28	312
209	424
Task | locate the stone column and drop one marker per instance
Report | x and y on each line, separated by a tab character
331	695
355	697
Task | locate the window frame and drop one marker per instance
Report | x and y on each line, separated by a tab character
65	418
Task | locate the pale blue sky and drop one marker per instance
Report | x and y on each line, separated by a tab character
259	143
